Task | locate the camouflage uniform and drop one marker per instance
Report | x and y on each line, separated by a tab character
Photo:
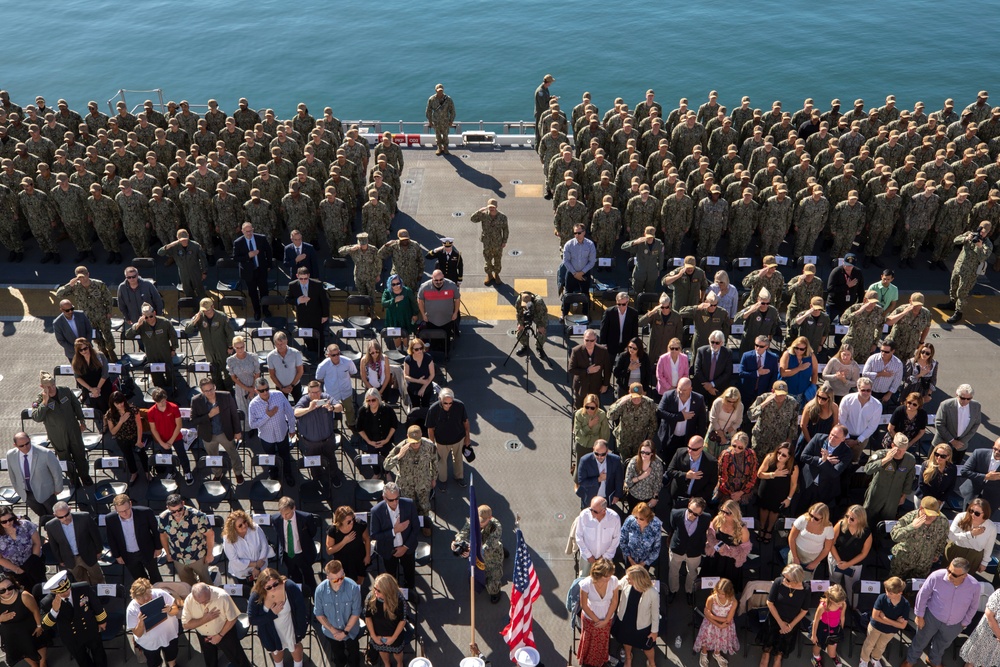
539	317
773	424
345	192
440	115
375	220
676	216
135	221
261	215
105	216
385	194
882	216
845	224
648	263
952	219
633	424
964	275
300	214
906	332
207	181
416	472
710	221
95	300
920	216
800	294
743	219
605	228
198	213
494	235
71	205
336	221
493	555
37	209
10	228
191	266
166	220
566	217
272	190
757	280
756	323
393	155
407	261
367	268
810	219
775	222
865	328
640	214
228	219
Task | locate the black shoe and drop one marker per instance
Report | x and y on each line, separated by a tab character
548	196
111	258
461	482
267	312
87	480
523	352
948	306
118	258
337	481
46	258
671	597
878	262
954	318
542	355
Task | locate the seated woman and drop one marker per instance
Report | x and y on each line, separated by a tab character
799	368
419	372
125	424
738	471
20	549
819	415
671	367
727	546
724	419
810	539
972	536
842	372
20	625
910	419
920	373
640	537
590	424
852	542
939	475
349	542
245	546
632	365
377	425
779	479
375	372
278	609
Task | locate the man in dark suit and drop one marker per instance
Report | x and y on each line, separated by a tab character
619	325
44	478
78	617
693	473
298	253
134	538
688	530
590	367
78	552
713	366
823	461
253	252
758	371
299	554
682	414
600	468
69	326
312	305
957	421
216	416
394	526
980	475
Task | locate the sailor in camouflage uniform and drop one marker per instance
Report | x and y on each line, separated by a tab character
37	208
920	215
299	210
493	551
952	218
94	298
335	217
845	224
976	249
882	216
229	218
810	218
367	265
199	214
676	215
568	214
864	321
605	228
165	217
383	191
801	291
910	324
192	266
710	221
744	215
407	259
414	463
260	214
70	202
775	415
760	318
768	277
106	218
392	152
634	416
376	219
494	235
440	115
11	235
707	317
530	306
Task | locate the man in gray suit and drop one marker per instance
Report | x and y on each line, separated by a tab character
76	542
35	474
957	421
69	326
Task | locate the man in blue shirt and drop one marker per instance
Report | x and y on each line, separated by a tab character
337	607
579	257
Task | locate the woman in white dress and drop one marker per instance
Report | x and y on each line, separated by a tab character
278	609
982	648
245	546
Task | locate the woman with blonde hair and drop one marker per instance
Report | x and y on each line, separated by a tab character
599	595
245	546
671	367
278	609
810	539
643	477
728	544
779	480
939	475
972	536
724	419
787	604
385	617
799	368
375	369
590	424
852	542
638	615
159	642
842	372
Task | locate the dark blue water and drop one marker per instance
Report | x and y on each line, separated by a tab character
382	60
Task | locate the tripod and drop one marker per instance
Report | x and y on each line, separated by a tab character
526	334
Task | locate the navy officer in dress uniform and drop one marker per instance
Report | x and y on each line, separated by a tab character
78	616
449	261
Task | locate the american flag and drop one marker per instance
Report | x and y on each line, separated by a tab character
526	590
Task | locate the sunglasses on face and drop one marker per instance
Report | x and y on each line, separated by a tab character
939	455
783	456
392	500
577	233
886	351
814	517
759	347
675	349
591	407
965	399
397	284
600	455
713	343
925	353
334	354
5	589
371	400
418	349
694	449
62	516
800	349
132	277
272	586
263	391
6	521
975	513
693	513
179	510
68	310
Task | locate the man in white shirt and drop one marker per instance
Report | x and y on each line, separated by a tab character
335	372
860	415
598	532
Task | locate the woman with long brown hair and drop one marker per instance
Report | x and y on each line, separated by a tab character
125	424
385	617
818	415
940	474
972	535
278	609
920	373
779	478
20	549
643	477
91	370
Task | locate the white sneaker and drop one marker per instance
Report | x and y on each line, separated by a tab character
719	658
703	660
862	664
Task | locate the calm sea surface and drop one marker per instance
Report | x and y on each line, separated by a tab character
381	61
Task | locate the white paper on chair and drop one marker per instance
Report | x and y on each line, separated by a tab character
185	413
63	466
678	261
711	261
369	459
106	590
93	334
420	520
656	585
840	329
604	261
393	331
361	516
889	526
781	261
202	367
234	589
405	592
744	262
265	460
819	585
995	523
738	328
690	328
808	259
748	520
871	586
88	413
115	368
820	367
313	461
709	582
349	333
264	331
3	464
789	520
885	418
930	418
885	328
109	461
158	368
262	519
737	368
213	461
164	459
917	583
579	329
65	369
305	332
102	520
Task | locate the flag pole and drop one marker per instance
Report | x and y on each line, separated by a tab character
473	647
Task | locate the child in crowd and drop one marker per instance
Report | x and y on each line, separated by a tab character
718	632
828	624
889	616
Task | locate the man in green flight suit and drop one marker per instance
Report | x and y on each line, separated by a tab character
60	410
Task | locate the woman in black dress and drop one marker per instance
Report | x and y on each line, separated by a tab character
939	475
910	419
632	365
348	541
377	425
787	604
778	477
385	617
727	546
91	371
125	424
20	625
419	371
638	617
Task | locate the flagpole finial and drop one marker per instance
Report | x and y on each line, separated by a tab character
517	521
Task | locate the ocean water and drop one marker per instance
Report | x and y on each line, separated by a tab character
381	61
